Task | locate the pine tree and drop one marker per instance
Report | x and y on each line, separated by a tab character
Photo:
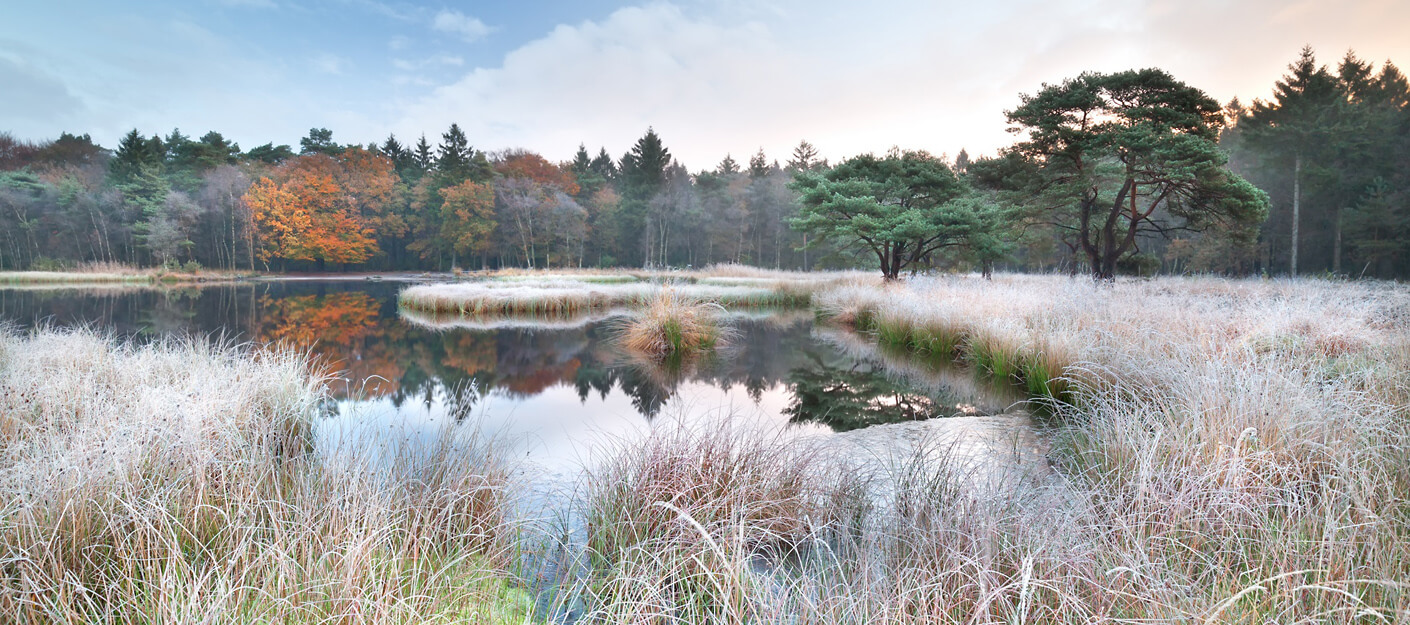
805	157
453	156
1292	131
758	165
422	158
319	141
604	166
727	167
133	154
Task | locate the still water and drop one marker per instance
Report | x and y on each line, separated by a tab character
548	393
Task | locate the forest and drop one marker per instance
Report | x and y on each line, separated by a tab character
1128	173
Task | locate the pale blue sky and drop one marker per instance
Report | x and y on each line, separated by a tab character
712	76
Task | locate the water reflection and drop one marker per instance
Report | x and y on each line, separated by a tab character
777	364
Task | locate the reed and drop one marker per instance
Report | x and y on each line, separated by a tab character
558	298
109	274
1229	451
672	327
176	482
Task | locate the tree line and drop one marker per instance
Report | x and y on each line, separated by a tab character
1130	172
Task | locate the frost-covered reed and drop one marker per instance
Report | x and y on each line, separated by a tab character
175	483
552	297
672	326
1229	452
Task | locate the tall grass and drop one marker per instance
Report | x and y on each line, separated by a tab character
176	482
672	327
1228	452
1240	447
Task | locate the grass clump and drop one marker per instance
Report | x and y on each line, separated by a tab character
672	327
674	522
1235	450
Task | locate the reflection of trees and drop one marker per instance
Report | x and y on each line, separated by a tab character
849	398
308	320
341	329
531	361
355	329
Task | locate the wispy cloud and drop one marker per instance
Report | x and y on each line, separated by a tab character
447	60
252	4
405	14
469	28
36	95
329	63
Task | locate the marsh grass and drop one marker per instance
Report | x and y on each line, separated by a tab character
1238	447
110	274
176	482
671	327
566	299
1228	452
570	295
674	522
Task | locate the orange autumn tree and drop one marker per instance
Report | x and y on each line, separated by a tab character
375	189
526	164
467	218
279	219
316	210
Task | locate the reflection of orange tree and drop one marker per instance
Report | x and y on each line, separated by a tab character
336	329
471	352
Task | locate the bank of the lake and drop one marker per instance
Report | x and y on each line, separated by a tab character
1226	451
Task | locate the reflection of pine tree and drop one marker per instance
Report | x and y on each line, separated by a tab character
648	396
852	398
593	375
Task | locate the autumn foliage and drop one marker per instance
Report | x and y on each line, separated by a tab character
324	209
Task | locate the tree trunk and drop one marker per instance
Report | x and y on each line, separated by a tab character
1297	209
1336	245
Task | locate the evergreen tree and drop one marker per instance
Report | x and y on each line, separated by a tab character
213	150
589	180
1292	131
727	166
805	157
270	153
604	166
643	175
319	141
133	155
403	159
453	157
1149	166
422	158
962	162
758	165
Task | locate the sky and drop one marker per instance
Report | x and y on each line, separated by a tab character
710	76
